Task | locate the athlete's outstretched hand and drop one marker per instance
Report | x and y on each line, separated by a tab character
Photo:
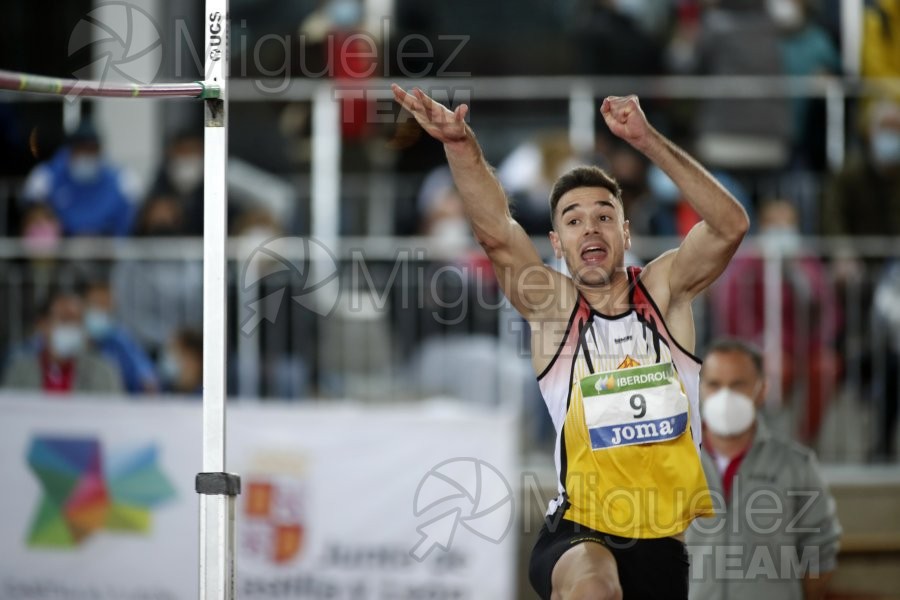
445	125
624	117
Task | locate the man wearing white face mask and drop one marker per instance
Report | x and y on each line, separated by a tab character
775	534
63	361
181	177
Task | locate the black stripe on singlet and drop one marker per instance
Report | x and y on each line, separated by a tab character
563	462
601	349
654	333
646	323
583	327
659	315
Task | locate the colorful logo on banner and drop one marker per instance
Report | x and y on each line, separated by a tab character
275	502
86	492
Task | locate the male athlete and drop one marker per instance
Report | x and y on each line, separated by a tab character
612	349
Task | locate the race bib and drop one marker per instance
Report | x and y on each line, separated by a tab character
640	405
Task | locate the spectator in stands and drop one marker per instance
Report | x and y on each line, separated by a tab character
181	363
161	216
41	233
527	174
156	296
610	40
670	214
881	40
806	50
440	212
34	340
773	508
737	37
457	352
810	315
63	361
181	178
117	345
40	229
90	196
864	199
629	168
681	52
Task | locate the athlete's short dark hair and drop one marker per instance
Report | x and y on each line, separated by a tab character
740	346
579	177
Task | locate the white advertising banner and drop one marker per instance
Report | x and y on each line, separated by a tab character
338	501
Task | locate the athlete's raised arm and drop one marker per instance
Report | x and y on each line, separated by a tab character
528	284
709	246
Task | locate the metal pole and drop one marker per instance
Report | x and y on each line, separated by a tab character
835	125
852	16
325	181
217	488
773	278
326	165
581	119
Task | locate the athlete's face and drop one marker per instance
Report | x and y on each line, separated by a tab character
734	370
591	234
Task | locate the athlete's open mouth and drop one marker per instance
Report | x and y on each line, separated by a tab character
593	253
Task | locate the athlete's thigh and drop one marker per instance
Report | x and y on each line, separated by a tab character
585	563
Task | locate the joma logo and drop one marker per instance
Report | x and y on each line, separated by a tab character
642	431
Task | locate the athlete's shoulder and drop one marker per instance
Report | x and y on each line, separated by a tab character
653	278
559	303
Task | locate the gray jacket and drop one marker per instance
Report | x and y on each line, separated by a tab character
93	374
779	524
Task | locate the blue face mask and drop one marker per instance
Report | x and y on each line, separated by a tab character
169	366
98	323
886	148
345	13
84	168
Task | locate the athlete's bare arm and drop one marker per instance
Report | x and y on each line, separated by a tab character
534	289
678	276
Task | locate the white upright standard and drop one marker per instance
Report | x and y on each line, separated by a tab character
217	489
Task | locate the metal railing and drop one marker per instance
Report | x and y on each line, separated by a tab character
580	94
411	317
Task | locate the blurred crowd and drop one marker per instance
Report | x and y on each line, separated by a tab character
134	326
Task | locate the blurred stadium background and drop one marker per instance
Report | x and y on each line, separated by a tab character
796	110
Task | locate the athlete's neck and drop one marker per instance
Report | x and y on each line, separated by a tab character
610	297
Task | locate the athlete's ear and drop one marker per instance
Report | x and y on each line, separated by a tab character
557	247
627	228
